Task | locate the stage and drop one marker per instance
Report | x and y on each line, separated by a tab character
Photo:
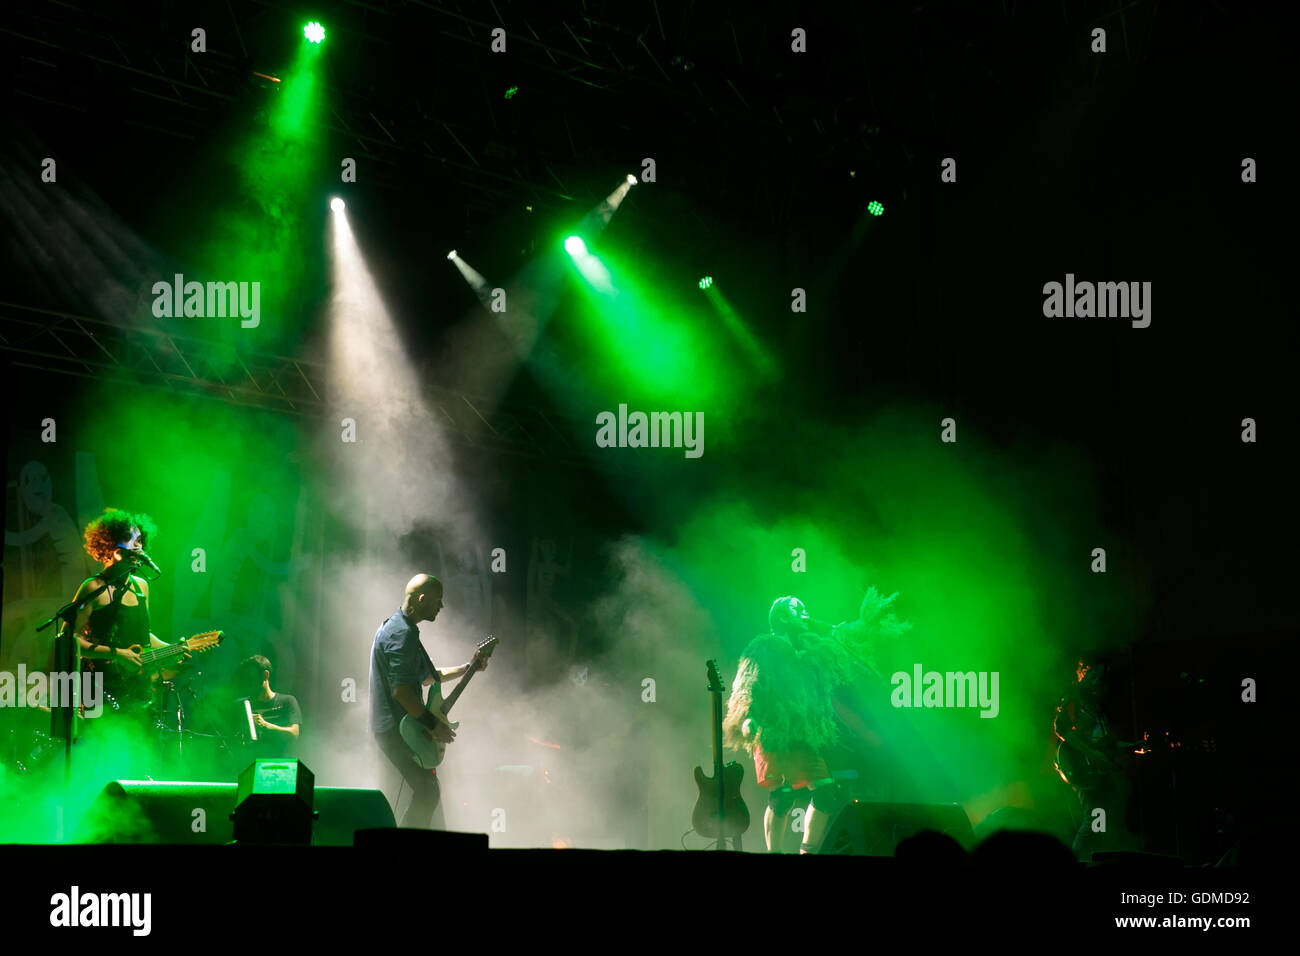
730	472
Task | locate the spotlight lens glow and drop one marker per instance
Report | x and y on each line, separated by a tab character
336	204
452	254
574	245
314	32
706	282
875	208
631	180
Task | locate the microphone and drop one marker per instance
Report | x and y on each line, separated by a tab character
139	555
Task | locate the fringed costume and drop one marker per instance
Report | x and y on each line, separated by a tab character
782	707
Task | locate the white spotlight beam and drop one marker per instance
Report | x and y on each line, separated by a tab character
605	211
393	477
475	279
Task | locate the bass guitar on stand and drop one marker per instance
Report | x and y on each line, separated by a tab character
720	811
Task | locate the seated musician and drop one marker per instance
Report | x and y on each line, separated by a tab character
277	718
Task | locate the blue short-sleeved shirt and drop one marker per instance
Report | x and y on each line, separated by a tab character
396	658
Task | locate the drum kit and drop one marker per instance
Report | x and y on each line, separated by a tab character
169	719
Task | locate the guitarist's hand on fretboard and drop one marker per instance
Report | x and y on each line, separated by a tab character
130	655
429	745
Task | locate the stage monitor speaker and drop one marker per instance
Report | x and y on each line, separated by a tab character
146	811
876	829
274	803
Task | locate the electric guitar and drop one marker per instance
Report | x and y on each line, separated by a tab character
1085	771
428	752
133	686
719	810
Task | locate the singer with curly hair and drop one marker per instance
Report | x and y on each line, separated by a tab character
116	622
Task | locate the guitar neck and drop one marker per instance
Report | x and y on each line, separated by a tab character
157	654
717	733
455	694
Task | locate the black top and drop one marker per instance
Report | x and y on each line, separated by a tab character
121	625
1082	714
283	711
118	624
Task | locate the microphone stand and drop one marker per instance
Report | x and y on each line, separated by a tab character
176	687
67	657
67	660
195	717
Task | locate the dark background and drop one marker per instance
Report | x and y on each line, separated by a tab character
1123	166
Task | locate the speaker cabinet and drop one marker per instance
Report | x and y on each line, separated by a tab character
146	811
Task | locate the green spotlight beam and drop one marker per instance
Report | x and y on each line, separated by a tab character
752	348
258	233
650	344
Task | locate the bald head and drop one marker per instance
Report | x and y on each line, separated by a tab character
423	598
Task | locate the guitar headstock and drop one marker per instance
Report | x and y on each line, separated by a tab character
715	680
205	641
485	648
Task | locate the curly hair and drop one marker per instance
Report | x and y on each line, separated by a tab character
110	529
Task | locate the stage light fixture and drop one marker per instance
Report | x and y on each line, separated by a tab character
314	32
510	93
452	254
706	282
336	204
574	246
274	803
631	180
875	208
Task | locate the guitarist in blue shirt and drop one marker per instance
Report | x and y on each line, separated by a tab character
399	668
